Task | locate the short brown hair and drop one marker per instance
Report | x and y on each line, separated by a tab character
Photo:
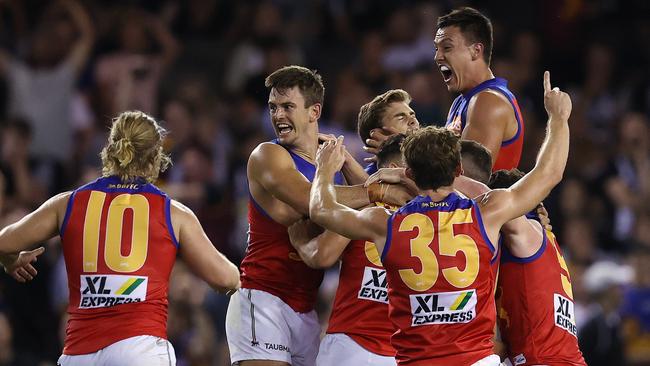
433	155
309	82
475	26
371	113
134	148
477	161
505	178
390	150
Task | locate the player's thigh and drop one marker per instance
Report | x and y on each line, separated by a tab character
256	328
340	350
305	337
135	351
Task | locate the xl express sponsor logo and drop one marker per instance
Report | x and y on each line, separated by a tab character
98	291
443	307
564	316
373	285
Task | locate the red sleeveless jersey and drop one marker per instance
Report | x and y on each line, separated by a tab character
441	279
535	304
361	304
271	264
119	249
510	152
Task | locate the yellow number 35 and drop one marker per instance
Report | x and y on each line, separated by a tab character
449	244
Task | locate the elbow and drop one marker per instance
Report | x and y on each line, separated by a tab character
226	280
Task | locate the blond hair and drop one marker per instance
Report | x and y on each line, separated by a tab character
134	148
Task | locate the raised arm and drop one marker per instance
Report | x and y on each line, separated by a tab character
199	253
317	248
505	204
324	210
84	44
488	116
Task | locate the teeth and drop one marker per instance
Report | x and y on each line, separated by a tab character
283	125
444	68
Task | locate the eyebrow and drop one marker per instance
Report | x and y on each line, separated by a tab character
446	39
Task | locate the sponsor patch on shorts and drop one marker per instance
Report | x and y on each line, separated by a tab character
100	291
520	359
565	314
443	307
374	286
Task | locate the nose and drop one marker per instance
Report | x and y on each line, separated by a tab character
414	123
278	113
437	55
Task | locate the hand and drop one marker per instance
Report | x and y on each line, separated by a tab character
397	195
20	267
324	137
302	231
557	103
331	155
393	176
543	217
377	137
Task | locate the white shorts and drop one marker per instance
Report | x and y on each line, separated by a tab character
260	326
341	350
492	360
135	351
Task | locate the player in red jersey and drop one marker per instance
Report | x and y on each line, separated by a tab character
120	237
485	111
535	298
359	330
271	320
441	302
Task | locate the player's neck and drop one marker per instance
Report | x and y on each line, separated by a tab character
440	193
481	75
306	146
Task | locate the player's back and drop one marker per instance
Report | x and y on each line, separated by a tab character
360	307
271	264
439	264
536	311
510	152
119	249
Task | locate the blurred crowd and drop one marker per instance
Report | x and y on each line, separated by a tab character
67	67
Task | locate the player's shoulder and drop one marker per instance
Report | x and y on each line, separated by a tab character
490	103
269	155
491	97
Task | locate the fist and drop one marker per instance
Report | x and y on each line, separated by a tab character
557	103
331	155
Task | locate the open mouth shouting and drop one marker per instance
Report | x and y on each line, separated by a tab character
447	73
283	128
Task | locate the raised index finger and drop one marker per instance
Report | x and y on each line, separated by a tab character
547	81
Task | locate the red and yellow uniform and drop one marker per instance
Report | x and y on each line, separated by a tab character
361	304
440	269
271	264
536	311
119	249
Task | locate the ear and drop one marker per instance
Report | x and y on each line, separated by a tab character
314	112
409	174
393	165
459	170
477	49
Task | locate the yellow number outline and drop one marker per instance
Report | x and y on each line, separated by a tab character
113	236
449	244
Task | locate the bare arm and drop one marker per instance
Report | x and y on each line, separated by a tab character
324	210
271	166
353	172
32	229
488	117
37	227
199	253
502	205
84	45
317	250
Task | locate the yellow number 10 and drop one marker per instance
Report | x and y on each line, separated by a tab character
113	243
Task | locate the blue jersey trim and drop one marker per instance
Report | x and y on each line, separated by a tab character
259	208
389	234
371	168
102	184
68	212
168	219
509	257
479	217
